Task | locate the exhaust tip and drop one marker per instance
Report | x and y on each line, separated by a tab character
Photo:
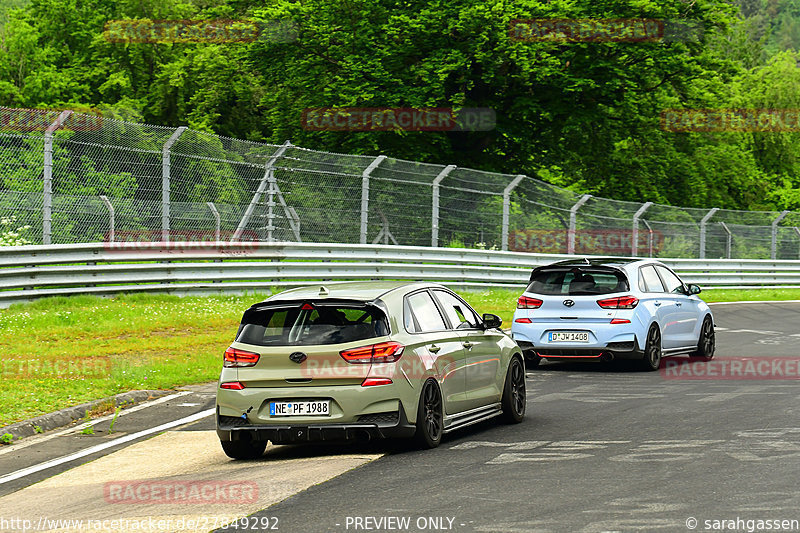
607	357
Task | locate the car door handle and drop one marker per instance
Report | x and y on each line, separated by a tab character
435	349
468	345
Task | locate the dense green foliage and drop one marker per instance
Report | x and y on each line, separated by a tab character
584	115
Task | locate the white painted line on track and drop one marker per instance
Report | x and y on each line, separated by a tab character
100	447
30	441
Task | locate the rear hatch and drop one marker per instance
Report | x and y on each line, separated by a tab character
569	295
300	343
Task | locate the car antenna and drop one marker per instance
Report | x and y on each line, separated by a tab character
587	260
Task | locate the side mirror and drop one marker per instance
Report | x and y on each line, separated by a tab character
694	289
491	321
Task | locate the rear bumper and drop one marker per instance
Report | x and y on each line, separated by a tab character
609	352
381	425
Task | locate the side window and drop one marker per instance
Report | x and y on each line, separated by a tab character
649	280
422	308
460	315
673	284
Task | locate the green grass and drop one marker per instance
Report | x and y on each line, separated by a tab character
740	295
88	347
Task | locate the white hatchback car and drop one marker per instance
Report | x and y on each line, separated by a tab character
611	308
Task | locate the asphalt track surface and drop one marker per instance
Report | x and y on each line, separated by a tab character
603	448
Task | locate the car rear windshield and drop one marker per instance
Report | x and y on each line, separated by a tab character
578	281
306	324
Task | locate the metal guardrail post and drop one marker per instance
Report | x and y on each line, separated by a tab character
635	232
507	207
111	222
649	238
703	231
262	186
214	212
728	240
774	243
573	221
435	208
365	196
47	182
165	182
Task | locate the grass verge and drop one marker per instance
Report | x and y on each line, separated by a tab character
59	352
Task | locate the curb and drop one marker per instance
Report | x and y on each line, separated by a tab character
64	417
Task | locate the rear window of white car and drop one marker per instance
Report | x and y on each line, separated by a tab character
577	281
306	324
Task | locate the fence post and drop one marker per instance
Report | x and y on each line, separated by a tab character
635	233
111	222
507	207
797	230
573	221
47	184
774	246
435	208
728	239
649	238
262	185
165	181
365	196
214	212
703	231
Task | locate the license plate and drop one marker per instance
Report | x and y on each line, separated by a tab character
569	336
316	408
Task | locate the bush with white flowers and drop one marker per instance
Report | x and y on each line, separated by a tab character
11	235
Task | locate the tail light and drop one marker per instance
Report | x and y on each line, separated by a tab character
235	358
232	385
526	302
384	352
524	321
371	382
620	302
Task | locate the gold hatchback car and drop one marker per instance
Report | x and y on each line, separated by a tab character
363	360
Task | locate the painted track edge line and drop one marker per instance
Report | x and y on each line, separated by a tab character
104	446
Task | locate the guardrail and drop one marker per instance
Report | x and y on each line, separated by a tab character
31	272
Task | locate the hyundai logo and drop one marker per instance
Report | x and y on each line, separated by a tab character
568	303
298	357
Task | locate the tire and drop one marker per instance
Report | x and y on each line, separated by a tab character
430	416
531	359
514	398
706	344
652	350
244	449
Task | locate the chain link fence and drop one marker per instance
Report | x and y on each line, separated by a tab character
75	178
